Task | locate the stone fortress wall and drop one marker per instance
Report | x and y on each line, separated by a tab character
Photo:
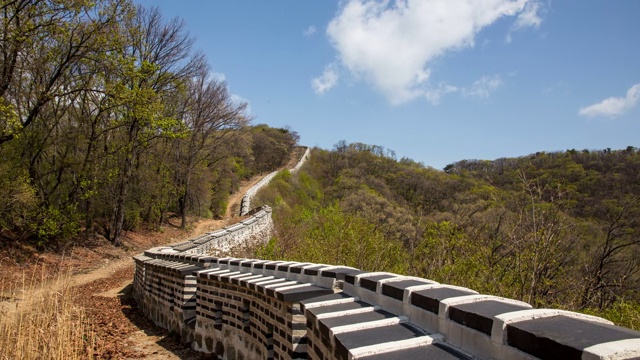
257	309
245	204
257	227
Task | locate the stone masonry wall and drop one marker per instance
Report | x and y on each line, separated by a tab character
245	204
256	309
256	228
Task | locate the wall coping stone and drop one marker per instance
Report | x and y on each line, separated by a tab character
461	323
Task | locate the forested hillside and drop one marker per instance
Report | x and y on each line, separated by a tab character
554	229
110	120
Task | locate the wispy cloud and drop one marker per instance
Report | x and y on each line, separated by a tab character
390	45
614	106
327	80
434	95
309	31
483	87
531	16
480	89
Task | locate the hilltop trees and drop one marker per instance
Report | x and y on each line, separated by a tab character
552	229
51	52
47	51
153	66
271	146
110	120
211	117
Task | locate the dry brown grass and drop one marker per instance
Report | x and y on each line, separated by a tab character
46	323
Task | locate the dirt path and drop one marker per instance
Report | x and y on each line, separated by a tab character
154	343
106	289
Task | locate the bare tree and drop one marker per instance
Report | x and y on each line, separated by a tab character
210	114
43	44
615	267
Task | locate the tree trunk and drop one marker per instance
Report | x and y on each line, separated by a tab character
183	200
118	218
127	170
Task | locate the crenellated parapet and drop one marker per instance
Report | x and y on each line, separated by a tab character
303	159
257	227
260	309
282	310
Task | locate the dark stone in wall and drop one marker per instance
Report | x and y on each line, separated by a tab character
479	315
351	277
284	267
208	341
436	351
396	289
430	299
366	337
313	270
247	263
329	323
371	282
338	274
562	336
297	268
301	293
272	266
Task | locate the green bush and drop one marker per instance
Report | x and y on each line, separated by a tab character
53	224
622	313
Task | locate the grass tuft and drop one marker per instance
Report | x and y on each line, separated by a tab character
46	323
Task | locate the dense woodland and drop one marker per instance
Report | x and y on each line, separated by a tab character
557	229
110	120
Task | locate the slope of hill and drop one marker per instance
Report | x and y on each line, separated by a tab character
552	229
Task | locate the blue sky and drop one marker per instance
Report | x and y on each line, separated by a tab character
434	80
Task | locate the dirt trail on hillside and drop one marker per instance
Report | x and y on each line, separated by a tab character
106	290
201	227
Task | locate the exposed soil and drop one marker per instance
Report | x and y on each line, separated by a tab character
102	275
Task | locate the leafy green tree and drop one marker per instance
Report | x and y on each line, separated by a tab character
155	62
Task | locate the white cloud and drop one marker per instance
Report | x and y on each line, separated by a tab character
327	80
390	44
217	77
483	87
434	95
614	106
310	31
529	17
238	100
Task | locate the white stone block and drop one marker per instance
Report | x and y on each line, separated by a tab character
453	334
622	349
423	319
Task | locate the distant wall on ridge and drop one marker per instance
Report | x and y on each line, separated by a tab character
256	309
